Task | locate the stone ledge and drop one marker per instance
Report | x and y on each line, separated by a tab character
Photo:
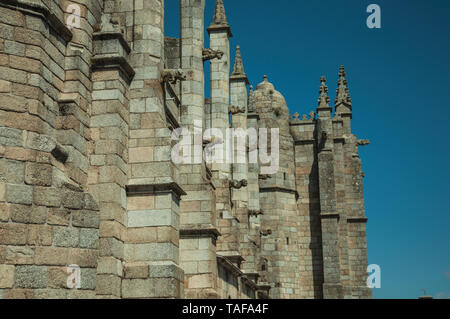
279	189
43	12
227	264
155	188
214	28
356	220
112	62
207	231
329	216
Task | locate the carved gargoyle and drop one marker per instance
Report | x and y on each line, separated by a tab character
255	212
266	232
173	75
211	141
362	142
236	110
264	177
210	54
110	24
238	184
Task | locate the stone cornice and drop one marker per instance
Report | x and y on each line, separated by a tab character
218	28
227	264
41	11
155	188
357	220
281	189
112	35
206	231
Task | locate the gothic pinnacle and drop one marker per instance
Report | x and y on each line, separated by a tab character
238	68
220	17
342	93
324	99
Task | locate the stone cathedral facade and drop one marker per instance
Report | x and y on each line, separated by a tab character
92	204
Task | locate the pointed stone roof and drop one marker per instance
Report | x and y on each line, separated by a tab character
220	21
324	99
342	93
238	68
219	14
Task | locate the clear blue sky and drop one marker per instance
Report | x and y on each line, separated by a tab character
399	82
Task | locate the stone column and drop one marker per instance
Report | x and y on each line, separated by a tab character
198	219
151	245
332	287
239	197
219	34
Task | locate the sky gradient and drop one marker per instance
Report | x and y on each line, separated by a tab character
399	82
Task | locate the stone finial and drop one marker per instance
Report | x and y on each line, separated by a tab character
342	93
312	115
238	68
220	17
296	116
304	118
324	100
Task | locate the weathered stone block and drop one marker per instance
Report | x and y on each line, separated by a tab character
40	235
47	196
109	265
108	285
31	277
6	276
19	255
85	258
58	216
13	103
19	194
52	256
89	238
136	270
66	236
13	234
28	214
85	219
38	174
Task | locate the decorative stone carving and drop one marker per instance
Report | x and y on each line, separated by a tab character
362	142
233	110
266	232
255	213
173	75
210	54
110	24
264	177
238	184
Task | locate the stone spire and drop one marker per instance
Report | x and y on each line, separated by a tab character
238	69
324	99
342	94
220	17
220	21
